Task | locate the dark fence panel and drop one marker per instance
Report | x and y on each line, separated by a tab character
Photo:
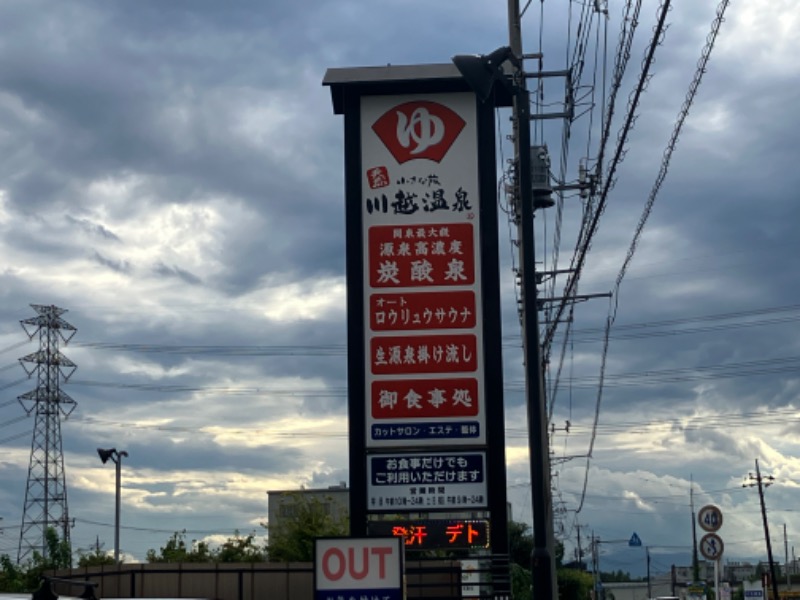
485	577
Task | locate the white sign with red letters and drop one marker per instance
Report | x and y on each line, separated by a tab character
422	271
358	567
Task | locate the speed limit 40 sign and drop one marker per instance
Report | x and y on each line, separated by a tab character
710	518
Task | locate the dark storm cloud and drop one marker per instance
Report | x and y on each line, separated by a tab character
719	443
200	452
174	271
121	266
153	101
93	228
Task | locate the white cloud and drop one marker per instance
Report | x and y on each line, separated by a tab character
760	37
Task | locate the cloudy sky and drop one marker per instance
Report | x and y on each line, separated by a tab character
171	175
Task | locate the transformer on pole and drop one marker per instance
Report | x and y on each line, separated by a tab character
46	490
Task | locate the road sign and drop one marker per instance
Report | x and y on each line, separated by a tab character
710	518
635	540
711	546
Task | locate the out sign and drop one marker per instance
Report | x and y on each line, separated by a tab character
358	567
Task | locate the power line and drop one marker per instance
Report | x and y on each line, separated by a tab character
777	365
232	350
722	421
168	531
582	335
683	113
610	178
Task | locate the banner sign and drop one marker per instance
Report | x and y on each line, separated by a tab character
421	225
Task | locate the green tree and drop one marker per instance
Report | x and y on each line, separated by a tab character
59	552
618	576
95	558
12	577
520	547
574	584
237	548
520	543
241	549
310	518
177	550
27	577
520	582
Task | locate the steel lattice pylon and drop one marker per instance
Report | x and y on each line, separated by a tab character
46	490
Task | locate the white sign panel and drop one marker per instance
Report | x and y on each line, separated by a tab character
711	546
358	567
425	482
422	271
710	518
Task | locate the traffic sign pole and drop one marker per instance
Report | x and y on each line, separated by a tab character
711	546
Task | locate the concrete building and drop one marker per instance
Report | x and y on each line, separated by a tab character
282	504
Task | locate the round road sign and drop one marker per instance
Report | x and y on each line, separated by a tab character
711	546
710	518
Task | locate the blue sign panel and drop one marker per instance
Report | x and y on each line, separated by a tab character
427	469
453	430
427	481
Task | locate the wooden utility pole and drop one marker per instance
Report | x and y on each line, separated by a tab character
543	555
763	482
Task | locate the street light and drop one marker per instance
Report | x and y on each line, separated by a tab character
115	456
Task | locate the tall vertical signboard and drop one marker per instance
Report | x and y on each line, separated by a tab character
424	367
421	223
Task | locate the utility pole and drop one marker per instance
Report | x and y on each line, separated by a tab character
786	557
763	482
543	554
595	566
695	560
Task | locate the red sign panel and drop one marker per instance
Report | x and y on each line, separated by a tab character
406	398
418	129
394	355
421	255
422	310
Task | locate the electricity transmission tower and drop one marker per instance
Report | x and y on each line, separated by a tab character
46	490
